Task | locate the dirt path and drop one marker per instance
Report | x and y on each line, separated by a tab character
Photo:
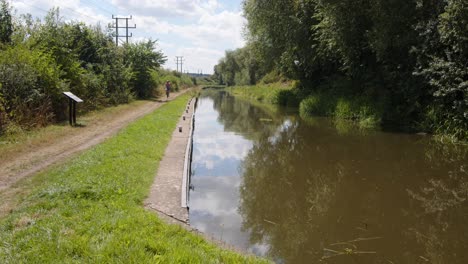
27	163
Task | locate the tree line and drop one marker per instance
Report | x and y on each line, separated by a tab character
409	58
41	59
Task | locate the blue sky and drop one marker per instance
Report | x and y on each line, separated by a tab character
199	30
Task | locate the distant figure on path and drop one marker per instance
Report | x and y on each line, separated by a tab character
168	89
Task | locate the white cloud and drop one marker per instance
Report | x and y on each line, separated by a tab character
223	28
205	39
199	30
167	8
69	10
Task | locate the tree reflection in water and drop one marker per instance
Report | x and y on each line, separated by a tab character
313	192
442	210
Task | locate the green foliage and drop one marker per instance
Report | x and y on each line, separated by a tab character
410	54
271	77
6	24
287	98
30	85
316	105
45	58
238	67
178	80
445	70
275	93
360	110
143	58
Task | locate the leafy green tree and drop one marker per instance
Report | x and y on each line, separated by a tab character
143	58
444	65
6	24
272	25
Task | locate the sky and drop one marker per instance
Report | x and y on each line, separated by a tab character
198	30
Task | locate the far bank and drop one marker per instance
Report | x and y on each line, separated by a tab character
365	111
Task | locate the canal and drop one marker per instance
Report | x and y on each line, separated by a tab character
304	191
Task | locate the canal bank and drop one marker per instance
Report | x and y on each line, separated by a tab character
89	209
168	194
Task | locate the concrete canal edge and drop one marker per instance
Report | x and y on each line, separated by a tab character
169	191
184	194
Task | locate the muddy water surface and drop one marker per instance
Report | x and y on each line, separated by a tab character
304	191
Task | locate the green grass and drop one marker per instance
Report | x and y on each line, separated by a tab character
19	140
356	109
265	93
90	209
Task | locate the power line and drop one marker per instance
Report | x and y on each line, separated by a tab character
117	36
36	7
93	4
73	10
179	60
62	6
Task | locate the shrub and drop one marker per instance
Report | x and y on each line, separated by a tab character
143	58
317	104
358	109
271	77
178	80
286	97
344	110
30	86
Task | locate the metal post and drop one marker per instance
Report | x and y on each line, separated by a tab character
74	113
126	28
116	31
70	105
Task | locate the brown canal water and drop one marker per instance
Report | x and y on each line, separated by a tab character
309	191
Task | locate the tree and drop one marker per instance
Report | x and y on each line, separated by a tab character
442	53
6	25
143	58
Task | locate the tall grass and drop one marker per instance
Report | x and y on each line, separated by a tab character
266	93
333	103
361	110
89	210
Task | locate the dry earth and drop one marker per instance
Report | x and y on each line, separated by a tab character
29	161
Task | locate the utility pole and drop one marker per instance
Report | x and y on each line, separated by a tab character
126	36
180	60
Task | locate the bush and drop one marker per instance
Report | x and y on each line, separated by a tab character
344	110
143	58
286	98
30	86
357	109
317	104
178	80
272	77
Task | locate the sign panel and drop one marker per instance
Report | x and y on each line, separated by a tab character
73	97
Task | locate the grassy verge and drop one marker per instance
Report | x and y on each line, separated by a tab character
22	140
89	210
273	93
370	110
359	110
